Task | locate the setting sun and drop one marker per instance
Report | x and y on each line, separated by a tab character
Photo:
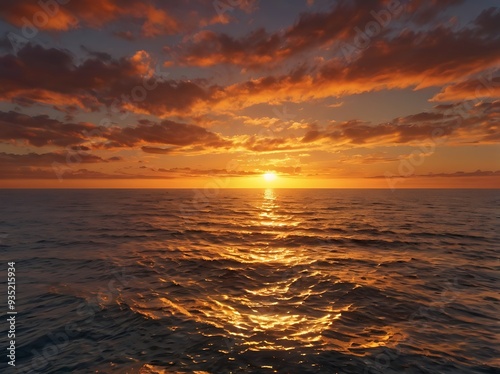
269	176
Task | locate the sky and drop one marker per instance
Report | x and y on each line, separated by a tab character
226	93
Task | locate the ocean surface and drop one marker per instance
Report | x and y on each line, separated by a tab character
252	281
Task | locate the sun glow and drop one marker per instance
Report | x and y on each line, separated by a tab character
269	176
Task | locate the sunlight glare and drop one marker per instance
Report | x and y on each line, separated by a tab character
269	176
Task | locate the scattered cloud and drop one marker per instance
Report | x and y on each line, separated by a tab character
41	130
477	173
203	84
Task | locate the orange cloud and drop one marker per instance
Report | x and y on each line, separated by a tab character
416	59
55	16
52	76
476	88
471	124
157	17
312	31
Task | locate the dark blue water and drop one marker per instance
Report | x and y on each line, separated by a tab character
253	281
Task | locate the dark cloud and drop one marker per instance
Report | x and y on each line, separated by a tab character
41	130
261	49
47	159
166	132
50	165
73	14
103	56
422	12
5	44
254	50
158	151
52	76
411	59
313	30
429	57
421	58
155	17
67	173
488	22
477	122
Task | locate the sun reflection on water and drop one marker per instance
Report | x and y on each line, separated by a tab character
271	313
280	301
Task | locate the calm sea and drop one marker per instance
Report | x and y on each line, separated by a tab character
252	281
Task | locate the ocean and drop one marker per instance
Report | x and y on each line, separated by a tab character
252	281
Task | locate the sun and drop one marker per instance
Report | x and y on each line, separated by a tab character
269	176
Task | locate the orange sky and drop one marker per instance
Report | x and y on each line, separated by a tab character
325	94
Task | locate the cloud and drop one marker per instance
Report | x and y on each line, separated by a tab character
311	31
46	159
424	11
158	151
73	14
366	159
258	121
47	165
36	165
5	44
470	123
33	16
486	85
262	49
419	59
488	22
189	172
166	132
155	17
69	173
266	144
336	105
103	56
41	130
477	173
257	49
290	170
52	76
